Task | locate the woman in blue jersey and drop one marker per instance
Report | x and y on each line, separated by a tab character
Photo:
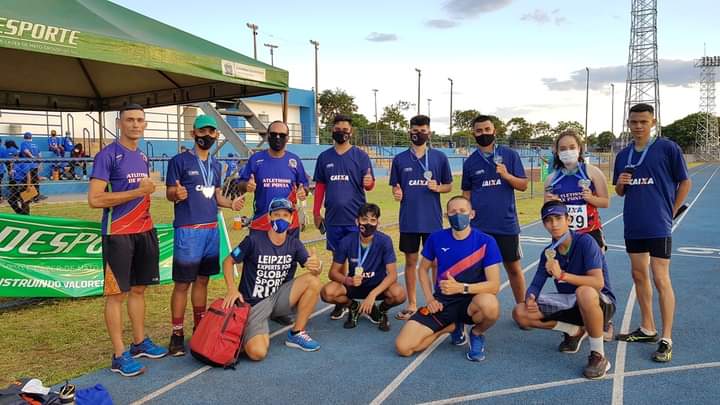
581	186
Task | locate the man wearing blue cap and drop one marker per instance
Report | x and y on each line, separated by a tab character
269	260
584	301
29	150
193	184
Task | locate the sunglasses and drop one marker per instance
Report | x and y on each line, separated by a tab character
277	134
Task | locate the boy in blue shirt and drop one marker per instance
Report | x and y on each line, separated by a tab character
652	176
584	301
371	259
193	185
490	177
418	176
269	285
465	288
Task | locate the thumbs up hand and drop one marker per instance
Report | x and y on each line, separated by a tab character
238	203
313	263
397	192
251	185
368	179
450	286
181	193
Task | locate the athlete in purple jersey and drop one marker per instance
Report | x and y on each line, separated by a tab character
193	184
120	184
468	279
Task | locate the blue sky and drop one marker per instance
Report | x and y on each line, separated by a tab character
507	57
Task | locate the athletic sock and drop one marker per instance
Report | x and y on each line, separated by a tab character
568	328
596	345
668	340
648	331
177	326
198	313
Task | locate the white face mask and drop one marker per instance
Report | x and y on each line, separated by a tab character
569	157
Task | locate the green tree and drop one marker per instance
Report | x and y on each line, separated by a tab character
361	122
334	102
519	130
605	139
565	125
542	130
684	131
592	140
462	120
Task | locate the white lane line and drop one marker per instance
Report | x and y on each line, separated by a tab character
394	384
620	354
203	369
536	387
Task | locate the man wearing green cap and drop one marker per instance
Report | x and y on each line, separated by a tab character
194	184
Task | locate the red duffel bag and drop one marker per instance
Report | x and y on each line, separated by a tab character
218	338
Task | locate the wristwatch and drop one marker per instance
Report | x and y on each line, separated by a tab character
466	288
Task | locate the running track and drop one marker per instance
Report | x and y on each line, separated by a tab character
360	366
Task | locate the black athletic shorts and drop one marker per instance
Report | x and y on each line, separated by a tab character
454	311
597	234
130	260
509	247
657	247
574	316
410	242
360	293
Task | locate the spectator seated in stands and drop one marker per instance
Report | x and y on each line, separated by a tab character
55	144
71	171
68	143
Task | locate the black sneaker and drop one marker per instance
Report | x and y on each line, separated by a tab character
339	311
663	354
571	344
597	366
637	336
383	322
353	315
282	320
375	315
176	348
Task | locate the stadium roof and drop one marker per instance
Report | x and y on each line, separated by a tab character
93	55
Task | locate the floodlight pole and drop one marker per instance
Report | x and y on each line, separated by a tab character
254	29
272	58
316	44
451	100
418	101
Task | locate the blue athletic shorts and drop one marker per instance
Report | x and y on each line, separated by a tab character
196	252
335	234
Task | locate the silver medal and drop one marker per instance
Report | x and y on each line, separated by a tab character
427	174
497	159
549	254
208	192
584	183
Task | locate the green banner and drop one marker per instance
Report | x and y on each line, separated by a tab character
59	257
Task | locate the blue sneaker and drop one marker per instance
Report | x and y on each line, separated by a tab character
147	348
302	341
126	365
477	348
458	336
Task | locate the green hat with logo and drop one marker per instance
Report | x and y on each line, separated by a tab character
203	121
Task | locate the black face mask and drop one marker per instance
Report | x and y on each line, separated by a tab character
367	230
340	137
485	139
204	142
277	143
418	138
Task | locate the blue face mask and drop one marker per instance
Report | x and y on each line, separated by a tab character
280	225
459	222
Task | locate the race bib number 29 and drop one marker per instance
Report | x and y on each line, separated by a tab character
578	216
